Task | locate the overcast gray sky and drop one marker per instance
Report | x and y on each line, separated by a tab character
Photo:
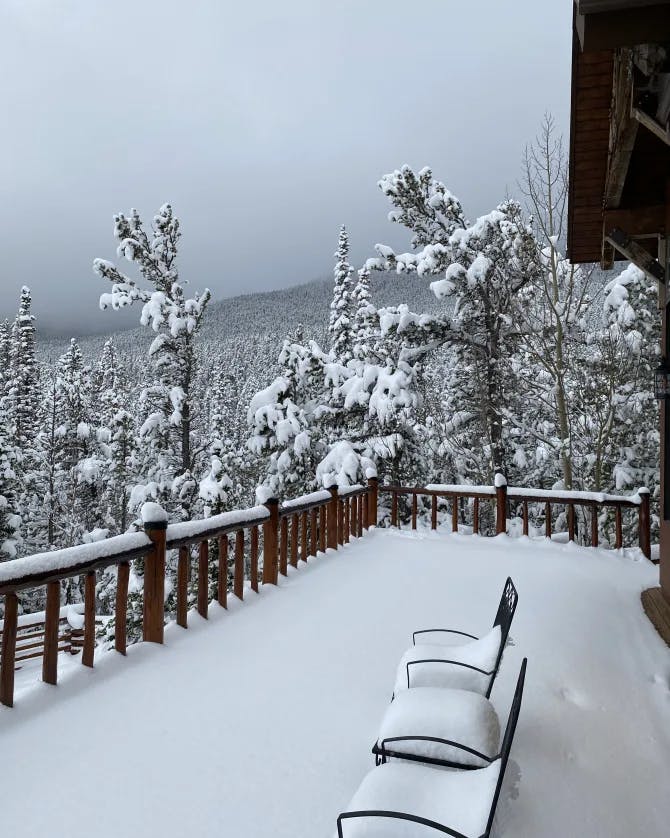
266	125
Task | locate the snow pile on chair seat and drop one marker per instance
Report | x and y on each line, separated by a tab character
481	653
456	715
460	800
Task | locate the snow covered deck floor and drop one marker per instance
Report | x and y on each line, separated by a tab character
260	722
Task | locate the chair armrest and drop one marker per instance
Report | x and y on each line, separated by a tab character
448	631
443	660
381	813
381	749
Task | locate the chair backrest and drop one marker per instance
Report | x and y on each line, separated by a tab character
507	740
506	609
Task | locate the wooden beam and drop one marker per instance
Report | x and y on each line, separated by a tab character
636	254
622	28
652	125
623	129
638	221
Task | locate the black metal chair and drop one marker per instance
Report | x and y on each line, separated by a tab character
435	726
428	653
448	802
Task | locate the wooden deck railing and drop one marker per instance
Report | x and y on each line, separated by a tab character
504	497
282	534
326	519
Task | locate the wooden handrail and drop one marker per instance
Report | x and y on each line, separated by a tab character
501	495
35	580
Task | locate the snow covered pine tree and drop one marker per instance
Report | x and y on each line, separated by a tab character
170	455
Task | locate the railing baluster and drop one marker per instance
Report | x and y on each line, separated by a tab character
475	517
203	578
347	519
253	559
414	507
619	529
433	512
547	520
644	523
373	484
51	619
222	587
332	517
594	525
322	529
340	521
354	516
89	620
365	511
238	579
294	540
121	608
8	650
303	537
182	587
359	515
454	514
313	533
283	546
525	517
571	522
394	508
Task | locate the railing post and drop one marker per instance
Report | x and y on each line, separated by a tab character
571	522
594	525
271	543
121	608
8	650
644	522
51	629
238	577
547	520
88	651
394	508
283	545
203	578
154	519
501	503
331	518
182	587
373	484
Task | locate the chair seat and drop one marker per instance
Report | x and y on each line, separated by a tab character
454	715
482	653
460	800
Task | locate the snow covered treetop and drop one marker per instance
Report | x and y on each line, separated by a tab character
422	204
343	466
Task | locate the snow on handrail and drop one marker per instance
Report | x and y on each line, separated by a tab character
236	518
461	489
351	490
322	496
71	558
567	496
465	489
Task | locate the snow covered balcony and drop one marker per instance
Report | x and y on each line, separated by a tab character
260	721
276	534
